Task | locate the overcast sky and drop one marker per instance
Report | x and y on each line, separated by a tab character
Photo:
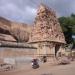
25	10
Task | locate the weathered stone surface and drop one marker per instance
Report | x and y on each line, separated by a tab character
19	31
17	52
46	27
63	60
5	37
46	34
4	25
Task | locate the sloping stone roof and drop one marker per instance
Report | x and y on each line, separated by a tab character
46	26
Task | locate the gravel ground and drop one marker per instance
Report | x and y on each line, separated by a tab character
45	69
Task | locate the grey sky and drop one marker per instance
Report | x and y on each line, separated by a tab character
25	10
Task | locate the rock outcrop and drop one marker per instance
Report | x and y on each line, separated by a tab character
19	31
5	26
5	37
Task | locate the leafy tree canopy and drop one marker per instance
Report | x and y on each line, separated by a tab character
68	26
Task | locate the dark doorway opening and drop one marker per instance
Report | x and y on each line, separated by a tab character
56	49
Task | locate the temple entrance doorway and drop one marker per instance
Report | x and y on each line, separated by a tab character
57	47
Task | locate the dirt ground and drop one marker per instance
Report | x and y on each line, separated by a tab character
45	69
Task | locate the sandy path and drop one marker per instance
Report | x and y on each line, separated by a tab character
45	69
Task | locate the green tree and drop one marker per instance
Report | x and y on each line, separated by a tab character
68	26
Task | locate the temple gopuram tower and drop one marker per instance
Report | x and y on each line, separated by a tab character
46	33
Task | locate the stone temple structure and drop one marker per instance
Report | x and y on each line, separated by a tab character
46	33
44	38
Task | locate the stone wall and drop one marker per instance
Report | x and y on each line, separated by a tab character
17	52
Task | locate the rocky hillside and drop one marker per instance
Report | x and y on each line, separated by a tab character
19	31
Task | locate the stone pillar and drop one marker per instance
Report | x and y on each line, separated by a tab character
61	50
46	49
50	49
